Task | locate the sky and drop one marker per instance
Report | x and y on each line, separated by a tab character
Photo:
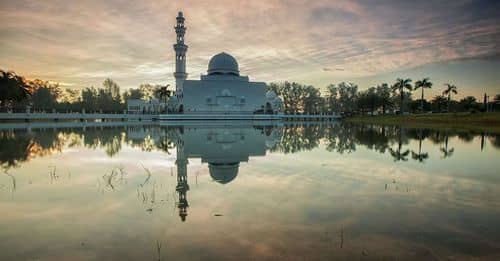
80	43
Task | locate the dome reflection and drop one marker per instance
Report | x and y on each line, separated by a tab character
223	148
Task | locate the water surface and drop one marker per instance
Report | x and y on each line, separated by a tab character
239	191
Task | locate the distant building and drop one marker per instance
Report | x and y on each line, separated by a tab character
222	90
141	106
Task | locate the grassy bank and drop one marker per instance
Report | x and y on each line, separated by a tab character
489	122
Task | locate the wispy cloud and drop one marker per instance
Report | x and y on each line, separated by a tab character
80	43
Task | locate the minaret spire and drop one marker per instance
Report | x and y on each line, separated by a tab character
180	55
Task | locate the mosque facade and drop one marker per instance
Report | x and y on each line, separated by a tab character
222	90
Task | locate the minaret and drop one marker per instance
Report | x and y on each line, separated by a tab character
180	55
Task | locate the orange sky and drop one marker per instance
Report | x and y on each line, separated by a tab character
316	42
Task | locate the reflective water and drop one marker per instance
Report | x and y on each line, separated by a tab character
236	191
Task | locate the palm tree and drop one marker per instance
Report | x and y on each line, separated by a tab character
400	85
163	93
450	88
423	84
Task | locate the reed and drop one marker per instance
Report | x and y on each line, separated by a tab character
158	249
148	173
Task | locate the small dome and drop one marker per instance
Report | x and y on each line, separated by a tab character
223	63
223	172
270	95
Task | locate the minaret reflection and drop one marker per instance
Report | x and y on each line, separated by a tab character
182	181
223	148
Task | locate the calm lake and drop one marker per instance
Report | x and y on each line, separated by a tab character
239	191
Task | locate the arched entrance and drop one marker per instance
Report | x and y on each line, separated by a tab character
181	108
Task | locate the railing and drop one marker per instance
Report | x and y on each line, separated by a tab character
76	116
166	117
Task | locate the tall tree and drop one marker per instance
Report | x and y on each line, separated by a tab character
163	93
147	90
71	95
373	101
348	93
44	94
133	93
438	102
384	95
497	98
332	98
423	84
311	99
450	89
496	102
109	98
468	103
89	98
13	89
367	100
400	85
112	88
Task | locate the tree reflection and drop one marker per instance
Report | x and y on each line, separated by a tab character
445	151
495	141
299	137
340	138
399	155
14	149
18	146
420	157
165	145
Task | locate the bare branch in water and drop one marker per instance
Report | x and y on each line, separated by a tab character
148	177
14	186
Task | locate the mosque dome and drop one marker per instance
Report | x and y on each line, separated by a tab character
223	172
224	64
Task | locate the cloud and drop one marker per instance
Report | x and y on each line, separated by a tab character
273	40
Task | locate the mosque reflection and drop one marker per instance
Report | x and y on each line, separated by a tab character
222	146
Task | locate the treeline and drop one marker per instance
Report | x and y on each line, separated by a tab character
346	98
16	92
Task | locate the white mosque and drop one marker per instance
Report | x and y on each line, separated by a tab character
222	90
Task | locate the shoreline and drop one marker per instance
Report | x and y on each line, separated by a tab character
483	122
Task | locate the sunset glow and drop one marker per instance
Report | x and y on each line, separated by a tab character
79	44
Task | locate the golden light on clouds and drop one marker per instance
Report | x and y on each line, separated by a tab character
79	44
